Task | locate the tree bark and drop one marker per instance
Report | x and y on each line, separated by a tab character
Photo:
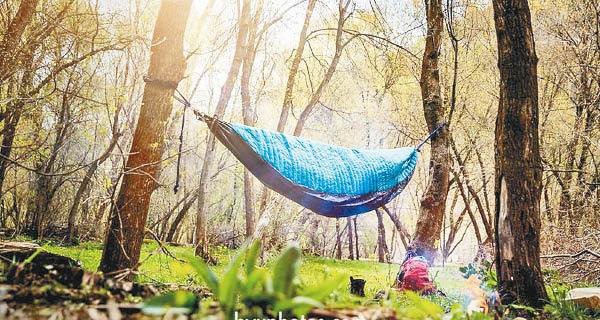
356	238
350	238
338	240
382	248
12	37
128	215
518	164
201	218
433	204
403	233
248	115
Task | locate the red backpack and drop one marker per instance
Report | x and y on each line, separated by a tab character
416	276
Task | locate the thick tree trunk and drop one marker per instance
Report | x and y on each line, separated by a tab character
518	163
350	239
201	218
128	216
433	204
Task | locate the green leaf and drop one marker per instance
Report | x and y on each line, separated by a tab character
211	280
252	257
175	302
286	269
230	284
322	291
33	255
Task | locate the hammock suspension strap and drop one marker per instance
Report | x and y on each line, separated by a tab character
433	133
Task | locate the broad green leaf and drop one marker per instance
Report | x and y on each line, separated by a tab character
230	284
211	280
252	257
286	269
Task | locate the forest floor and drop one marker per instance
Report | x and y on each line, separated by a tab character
165	273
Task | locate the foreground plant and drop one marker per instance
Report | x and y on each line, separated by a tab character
255	292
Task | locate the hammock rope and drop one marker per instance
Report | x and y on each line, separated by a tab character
329	180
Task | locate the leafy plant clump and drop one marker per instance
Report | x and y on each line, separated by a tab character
252	291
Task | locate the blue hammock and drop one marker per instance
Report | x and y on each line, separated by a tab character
330	180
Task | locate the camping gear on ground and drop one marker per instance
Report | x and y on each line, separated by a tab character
357	286
414	275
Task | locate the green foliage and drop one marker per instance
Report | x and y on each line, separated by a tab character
260	292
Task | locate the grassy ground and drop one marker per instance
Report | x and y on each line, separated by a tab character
158	267
161	268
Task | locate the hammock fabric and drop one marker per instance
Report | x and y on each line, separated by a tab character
330	180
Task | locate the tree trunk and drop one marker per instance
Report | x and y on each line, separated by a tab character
12	37
201	218
356	238
518	164
433	204
289	88
382	250
83	187
338	240
248	115
404	235
128	216
180	215
339	47
350	238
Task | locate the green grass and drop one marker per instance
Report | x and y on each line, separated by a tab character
313	270
379	276
161	268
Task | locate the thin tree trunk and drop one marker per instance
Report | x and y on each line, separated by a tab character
382	250
338	240
128	216
356	238
289	89
403	233
350	238
248	115
339	47
518	163
433	204
83	187
187	204
201	218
